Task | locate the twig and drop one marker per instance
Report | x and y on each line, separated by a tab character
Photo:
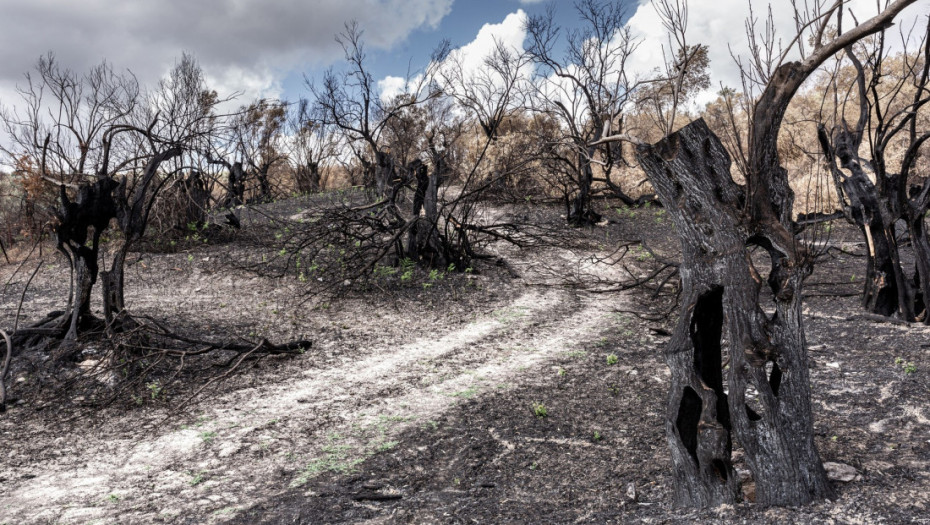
3	249
232	369
878	319
22	297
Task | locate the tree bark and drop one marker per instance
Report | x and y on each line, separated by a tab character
766	405
235	193
384	174
580	212
918	233
308	178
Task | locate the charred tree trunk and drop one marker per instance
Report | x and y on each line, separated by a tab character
883	293
423	242
112	284
235	193
308	178
766	404
918	233
886	290
132	214
264	183
420	171
384	174
188	200
87	216
580	212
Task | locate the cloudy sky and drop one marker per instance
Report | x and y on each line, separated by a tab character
266	47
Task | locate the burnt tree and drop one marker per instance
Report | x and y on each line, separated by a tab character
717	221
886	114
586	91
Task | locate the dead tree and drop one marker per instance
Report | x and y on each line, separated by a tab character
351	101
312	148
717	221
886	112
118	173
586	91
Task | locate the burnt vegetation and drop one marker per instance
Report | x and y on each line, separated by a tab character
352	192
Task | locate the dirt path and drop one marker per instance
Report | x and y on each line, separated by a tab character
329	416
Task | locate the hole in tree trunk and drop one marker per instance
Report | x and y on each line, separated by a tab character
720	469
774	374
706	336
689	413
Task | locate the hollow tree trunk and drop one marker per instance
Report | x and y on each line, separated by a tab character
421	174
429	236
766	405
883	293
80	225
423	243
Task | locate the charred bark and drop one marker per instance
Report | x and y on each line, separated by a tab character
869	207
766	404
235	192
580	212
918	233
80	225
308	178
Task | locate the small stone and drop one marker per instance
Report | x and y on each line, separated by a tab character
840	472
744	475
89	364
228	450
631	492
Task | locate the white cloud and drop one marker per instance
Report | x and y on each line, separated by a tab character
391	86
244	45
471	57
721	25
511	32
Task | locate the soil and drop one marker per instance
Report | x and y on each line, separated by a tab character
498	396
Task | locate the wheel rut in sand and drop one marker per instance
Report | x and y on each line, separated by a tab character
250	443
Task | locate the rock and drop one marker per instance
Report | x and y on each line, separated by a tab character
228	450
89	364
631	492
840	472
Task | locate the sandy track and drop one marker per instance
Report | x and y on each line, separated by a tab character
330	415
